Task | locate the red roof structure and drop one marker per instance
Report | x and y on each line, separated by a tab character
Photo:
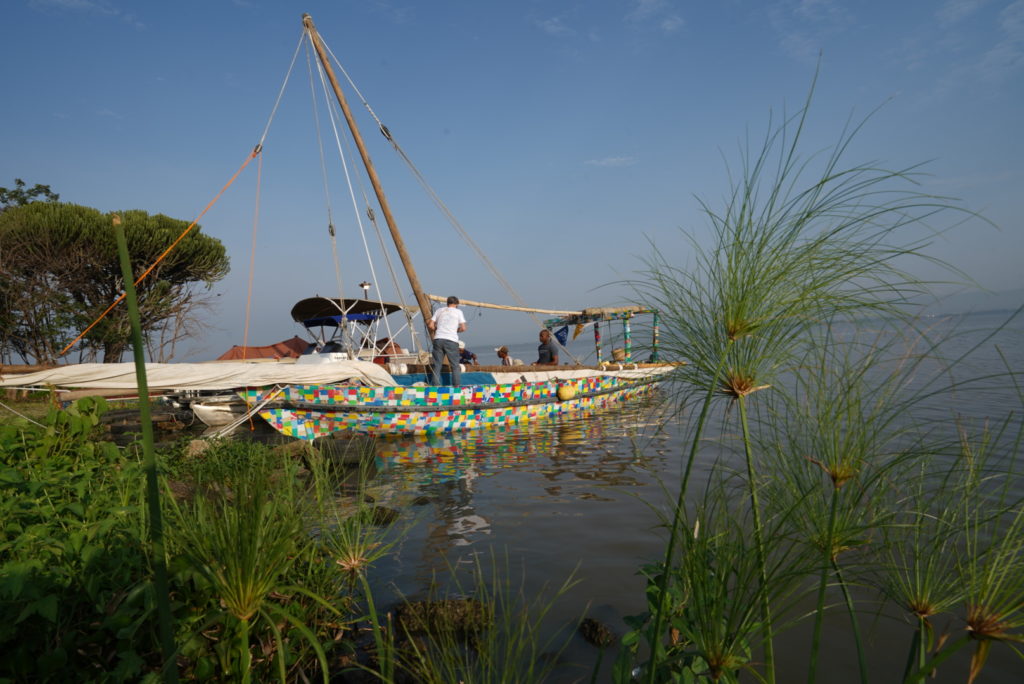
292	349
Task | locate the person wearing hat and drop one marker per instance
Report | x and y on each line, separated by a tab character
506	360
446	324
465	356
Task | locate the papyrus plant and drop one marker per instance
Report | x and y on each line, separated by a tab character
838	441
717	584
242	530
799	240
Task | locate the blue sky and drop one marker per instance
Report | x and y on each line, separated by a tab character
563	135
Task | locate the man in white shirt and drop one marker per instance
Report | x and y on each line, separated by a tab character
446	324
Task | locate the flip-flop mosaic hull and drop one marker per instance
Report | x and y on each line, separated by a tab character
312	411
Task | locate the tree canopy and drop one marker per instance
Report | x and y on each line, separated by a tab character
59	271
21	194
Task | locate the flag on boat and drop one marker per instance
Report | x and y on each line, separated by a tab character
580	327
562	335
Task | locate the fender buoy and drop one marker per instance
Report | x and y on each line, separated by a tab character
566	392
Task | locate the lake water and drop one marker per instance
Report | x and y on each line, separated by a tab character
579	497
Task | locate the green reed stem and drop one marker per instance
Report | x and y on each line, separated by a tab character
925	641
853	622
916	655
659	614
822	583
244	654
948	652
385	657
766	613
156	528
695	445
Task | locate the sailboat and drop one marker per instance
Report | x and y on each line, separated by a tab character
353	380
492	397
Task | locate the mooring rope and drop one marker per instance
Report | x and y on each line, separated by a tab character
274	392
252	155
21	415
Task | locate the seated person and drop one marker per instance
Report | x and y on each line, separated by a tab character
502	351
466	357
547	350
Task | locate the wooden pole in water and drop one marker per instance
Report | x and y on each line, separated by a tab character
410	271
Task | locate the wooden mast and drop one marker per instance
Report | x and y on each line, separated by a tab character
414	281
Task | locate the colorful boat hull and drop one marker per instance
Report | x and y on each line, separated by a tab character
313	411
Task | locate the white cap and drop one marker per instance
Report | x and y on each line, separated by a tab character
462	345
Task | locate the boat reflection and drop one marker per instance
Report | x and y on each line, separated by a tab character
587	448
576	459
427	459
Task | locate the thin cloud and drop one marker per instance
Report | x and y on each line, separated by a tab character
659	13
671	24
554	26
1011	21
133	21
397	14
804	26
645	9
612	161
995	61
822	12
955	11
95	7
76	6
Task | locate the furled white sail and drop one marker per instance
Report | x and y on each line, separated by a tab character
202	376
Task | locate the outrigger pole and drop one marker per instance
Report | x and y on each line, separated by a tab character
414	281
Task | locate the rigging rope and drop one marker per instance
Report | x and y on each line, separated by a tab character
255	152
334	115
433	194
252	155
284	84
252	256
332	118
409	315
323	173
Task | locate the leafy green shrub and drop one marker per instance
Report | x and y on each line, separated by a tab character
71	602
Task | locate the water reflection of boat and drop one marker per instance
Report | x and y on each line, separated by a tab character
421	460
575	457
426	459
